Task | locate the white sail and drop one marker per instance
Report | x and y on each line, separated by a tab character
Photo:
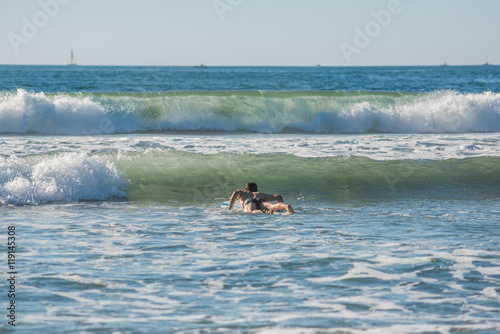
73	59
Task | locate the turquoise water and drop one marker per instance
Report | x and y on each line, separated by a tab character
113	179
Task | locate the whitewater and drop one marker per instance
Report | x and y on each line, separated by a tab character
114	183
255	111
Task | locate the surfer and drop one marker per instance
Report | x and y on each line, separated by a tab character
253	201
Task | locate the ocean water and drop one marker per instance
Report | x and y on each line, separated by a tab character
112	179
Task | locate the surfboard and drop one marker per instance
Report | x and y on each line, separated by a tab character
225	205
238	207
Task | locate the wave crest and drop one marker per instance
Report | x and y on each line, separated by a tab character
64	177
267	112
180	177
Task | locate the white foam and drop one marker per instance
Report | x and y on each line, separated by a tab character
439	112
63	177
361	270
25	112
377	147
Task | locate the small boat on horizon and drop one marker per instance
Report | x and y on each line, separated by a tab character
73	59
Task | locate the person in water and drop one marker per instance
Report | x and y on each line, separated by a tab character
253	201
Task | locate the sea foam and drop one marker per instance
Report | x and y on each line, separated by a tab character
62	177
39	113
266	112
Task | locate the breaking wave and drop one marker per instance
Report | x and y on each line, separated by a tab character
25	112
64	177
177	177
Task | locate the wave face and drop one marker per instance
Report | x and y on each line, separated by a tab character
177	177
24	112
174	176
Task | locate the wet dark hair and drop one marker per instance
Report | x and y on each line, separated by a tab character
251	186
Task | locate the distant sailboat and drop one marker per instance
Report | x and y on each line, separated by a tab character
73	60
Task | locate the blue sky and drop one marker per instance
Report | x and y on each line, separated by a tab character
250	32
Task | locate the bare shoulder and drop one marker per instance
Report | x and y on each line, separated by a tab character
238	193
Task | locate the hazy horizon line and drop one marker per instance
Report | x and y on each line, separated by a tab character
207	66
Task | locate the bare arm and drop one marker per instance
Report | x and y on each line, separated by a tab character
234	196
